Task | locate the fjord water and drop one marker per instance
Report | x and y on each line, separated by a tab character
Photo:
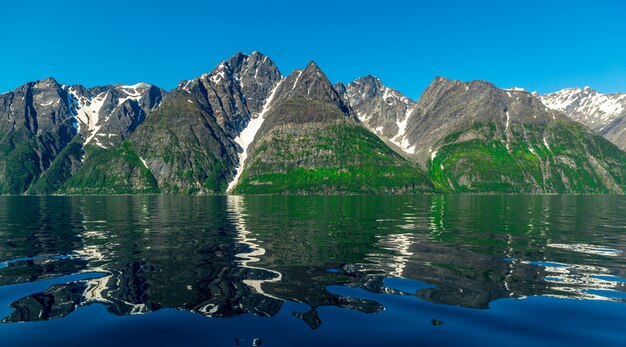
298	271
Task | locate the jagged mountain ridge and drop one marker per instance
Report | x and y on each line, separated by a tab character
475	137
384	110
245	123
107	115
603	113
46	126
190	143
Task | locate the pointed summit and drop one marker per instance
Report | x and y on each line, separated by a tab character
312	66
307	96
236	59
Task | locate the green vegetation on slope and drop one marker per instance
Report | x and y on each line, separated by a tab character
118	171
559	158
61	170
335	158
182	139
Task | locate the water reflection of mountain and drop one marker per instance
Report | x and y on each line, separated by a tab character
223	257
189	254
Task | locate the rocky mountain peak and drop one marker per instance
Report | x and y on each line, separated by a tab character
106	115
369	80
236	90
311	83
46	83
385	111
340	88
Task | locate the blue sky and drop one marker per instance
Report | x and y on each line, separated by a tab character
538	45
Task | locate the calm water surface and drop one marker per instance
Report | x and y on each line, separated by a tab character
313	271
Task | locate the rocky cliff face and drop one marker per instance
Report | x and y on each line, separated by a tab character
603	113
236	90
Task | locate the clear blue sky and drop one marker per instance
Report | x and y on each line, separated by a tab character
538	45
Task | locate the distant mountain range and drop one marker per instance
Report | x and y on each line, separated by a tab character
246	129
603	113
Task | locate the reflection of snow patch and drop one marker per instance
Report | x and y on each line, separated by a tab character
235	206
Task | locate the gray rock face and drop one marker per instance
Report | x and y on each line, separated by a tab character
383	110
184	147
36	107
445	106
305	98
603	113
309	84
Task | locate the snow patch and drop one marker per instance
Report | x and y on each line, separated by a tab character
387	95
400	138
144	162
297	79
433	155
132	92
586	105
87	113
49	103
186	86
506	131
247	135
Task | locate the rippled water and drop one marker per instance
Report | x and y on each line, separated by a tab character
298	271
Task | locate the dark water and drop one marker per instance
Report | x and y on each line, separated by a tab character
303	271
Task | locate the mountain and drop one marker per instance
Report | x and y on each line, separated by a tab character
244	128
383	110
310	141
45	125
474	137
189	143
604	113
